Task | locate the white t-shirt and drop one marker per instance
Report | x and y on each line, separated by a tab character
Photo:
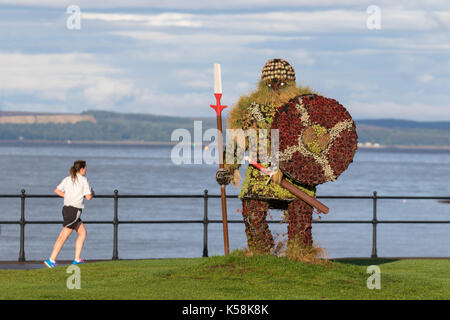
74	192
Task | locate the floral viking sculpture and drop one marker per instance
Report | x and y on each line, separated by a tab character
317	142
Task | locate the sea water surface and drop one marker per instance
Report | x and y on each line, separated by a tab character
144	169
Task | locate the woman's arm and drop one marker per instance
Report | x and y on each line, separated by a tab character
91	195
59	192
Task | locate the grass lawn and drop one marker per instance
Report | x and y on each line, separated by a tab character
234	277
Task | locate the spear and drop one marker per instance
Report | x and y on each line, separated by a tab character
218	107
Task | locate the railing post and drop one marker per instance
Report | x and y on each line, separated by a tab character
205	223
374	226
116	225
22	226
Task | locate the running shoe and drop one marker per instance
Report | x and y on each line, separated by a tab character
49	263
78	262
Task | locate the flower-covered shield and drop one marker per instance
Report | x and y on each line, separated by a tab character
317	139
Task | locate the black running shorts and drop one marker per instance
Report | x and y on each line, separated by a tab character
71	216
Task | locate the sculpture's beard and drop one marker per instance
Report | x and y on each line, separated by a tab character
270	96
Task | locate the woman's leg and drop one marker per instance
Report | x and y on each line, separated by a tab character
81	230
63	236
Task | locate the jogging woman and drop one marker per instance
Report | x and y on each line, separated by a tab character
73	189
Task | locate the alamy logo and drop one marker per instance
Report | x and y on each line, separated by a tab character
238	141
73	22
73	281
373	22
374	281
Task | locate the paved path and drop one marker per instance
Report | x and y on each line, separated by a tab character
21	266
29	265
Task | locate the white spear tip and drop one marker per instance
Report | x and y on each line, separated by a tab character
217	79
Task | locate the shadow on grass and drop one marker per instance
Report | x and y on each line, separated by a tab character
365	262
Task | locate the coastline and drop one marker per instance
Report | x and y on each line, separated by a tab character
171	143
406	147
84	142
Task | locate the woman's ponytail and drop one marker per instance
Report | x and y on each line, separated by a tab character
77	166
73	173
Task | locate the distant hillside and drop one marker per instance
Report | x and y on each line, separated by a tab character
106	126
405	124
113	126
390	132
32	117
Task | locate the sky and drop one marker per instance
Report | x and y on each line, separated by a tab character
380	59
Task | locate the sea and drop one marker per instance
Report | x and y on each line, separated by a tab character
149	170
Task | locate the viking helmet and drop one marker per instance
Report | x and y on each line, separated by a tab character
277	70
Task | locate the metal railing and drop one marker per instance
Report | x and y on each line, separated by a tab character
206	221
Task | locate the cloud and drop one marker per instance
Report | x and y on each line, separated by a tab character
107	92
194	78
186	104
266	22
199	38
388	109
224	5
201	46
425	78
157	56
32	72
283	21
167	19
431	42
56	76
